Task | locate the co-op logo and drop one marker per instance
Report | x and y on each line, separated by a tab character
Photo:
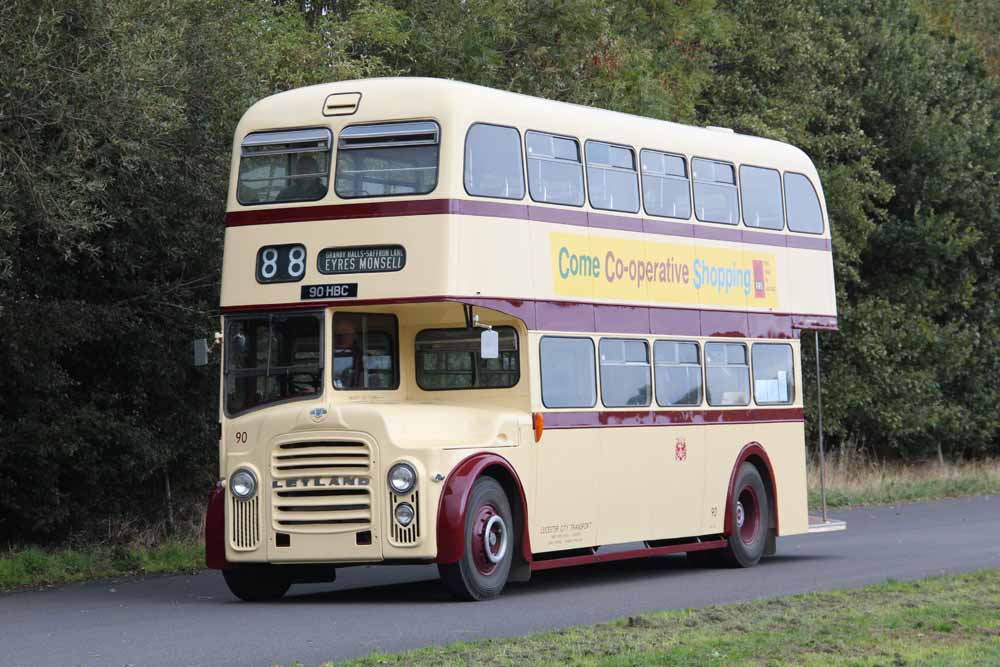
663	271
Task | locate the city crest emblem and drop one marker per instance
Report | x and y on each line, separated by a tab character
681	449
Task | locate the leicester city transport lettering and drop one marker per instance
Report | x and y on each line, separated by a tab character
631	270
361	259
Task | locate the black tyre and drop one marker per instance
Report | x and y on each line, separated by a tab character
255	583
490	540
751	514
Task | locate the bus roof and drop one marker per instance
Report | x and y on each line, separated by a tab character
466	103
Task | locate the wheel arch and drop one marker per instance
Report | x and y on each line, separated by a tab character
754	453
454	496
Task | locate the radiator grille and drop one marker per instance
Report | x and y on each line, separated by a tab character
321	486
245	524
398	535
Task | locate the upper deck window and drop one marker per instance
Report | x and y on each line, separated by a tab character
715	198
804	212
761	192
611	177
493	164
286	166
450	359
666	190
387	159
555	173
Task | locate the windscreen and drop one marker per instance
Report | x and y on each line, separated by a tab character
272	358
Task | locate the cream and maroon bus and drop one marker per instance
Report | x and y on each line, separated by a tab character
504	334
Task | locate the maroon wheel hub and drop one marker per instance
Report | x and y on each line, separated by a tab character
747	514
489	539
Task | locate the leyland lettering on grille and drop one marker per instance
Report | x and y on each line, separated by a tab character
315	482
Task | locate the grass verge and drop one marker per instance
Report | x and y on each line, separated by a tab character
952	620
39	567
850	484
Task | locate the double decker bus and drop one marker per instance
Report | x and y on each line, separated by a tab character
505	334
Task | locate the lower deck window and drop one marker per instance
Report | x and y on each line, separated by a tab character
365	351
678	373
773	374
272	358
727	374
625	380
450	359
568	376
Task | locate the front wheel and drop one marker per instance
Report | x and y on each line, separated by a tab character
482	570
751	519
257	583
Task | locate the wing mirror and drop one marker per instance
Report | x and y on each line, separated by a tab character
489	344
202	349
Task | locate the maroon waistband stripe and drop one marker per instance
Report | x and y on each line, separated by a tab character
562	216
539	315
694	417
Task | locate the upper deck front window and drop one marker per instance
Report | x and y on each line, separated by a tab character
286	166
387	159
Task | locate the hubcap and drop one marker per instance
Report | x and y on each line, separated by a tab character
489	540
747	515
496	530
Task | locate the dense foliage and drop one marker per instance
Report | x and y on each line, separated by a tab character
115	128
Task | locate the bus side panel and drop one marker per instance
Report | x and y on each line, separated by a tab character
650	483
783	443
566	508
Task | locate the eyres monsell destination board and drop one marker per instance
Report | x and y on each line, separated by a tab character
361	259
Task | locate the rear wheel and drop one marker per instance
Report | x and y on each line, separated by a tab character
257	583
751	514
481	572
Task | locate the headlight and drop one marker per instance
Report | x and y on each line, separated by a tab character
243	484
404	514
402	478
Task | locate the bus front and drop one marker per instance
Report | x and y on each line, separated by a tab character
337	441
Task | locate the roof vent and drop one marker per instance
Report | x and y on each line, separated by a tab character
341	104
716	128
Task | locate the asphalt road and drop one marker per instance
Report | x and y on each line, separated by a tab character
193	620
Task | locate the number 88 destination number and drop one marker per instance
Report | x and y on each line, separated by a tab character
281	263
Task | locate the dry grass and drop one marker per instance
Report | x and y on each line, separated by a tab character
851	481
